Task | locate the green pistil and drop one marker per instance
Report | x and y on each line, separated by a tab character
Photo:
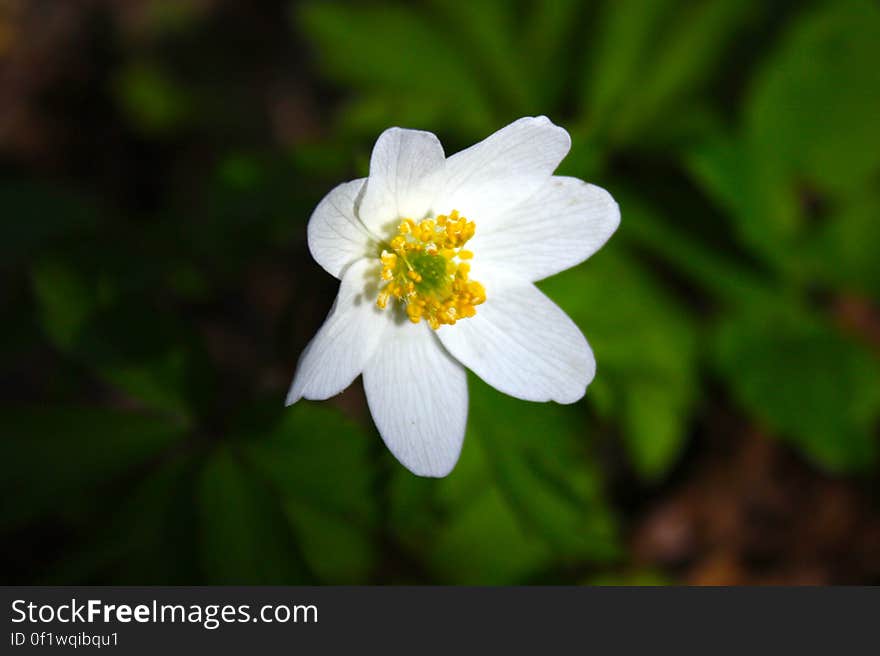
432	269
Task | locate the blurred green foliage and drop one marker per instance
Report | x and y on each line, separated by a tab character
741	141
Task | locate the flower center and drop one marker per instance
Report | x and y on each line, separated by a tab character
426	270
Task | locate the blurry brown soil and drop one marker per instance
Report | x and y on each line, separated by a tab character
752	513
858	317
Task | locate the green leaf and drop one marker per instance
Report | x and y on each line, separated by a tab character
420	72
766	217
153	102
318	462
811	115
842	250
36	215
645	348
244	536
645	65
66	301
550	482
675	71
251	196
524	497
147	536
624	35
809	132
149	355
549	29
720	165
486	31
726	276
58	459
486	543
808	383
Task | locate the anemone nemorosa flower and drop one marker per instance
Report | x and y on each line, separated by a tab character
437	258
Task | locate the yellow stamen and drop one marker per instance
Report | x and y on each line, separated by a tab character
426	272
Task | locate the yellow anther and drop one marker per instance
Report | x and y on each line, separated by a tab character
477	292
440	296
414	312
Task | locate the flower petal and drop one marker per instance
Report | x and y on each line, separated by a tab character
504	169
336	236
418	398
347	340
406	168
561	225
523	344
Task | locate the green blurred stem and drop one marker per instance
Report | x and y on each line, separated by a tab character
717	275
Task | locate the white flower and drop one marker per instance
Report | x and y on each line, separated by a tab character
415	307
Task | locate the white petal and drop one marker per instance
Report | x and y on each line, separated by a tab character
523	344
347	340
336	236
406	168
418	398
560	226
504	169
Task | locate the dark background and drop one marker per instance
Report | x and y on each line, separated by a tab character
159	160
